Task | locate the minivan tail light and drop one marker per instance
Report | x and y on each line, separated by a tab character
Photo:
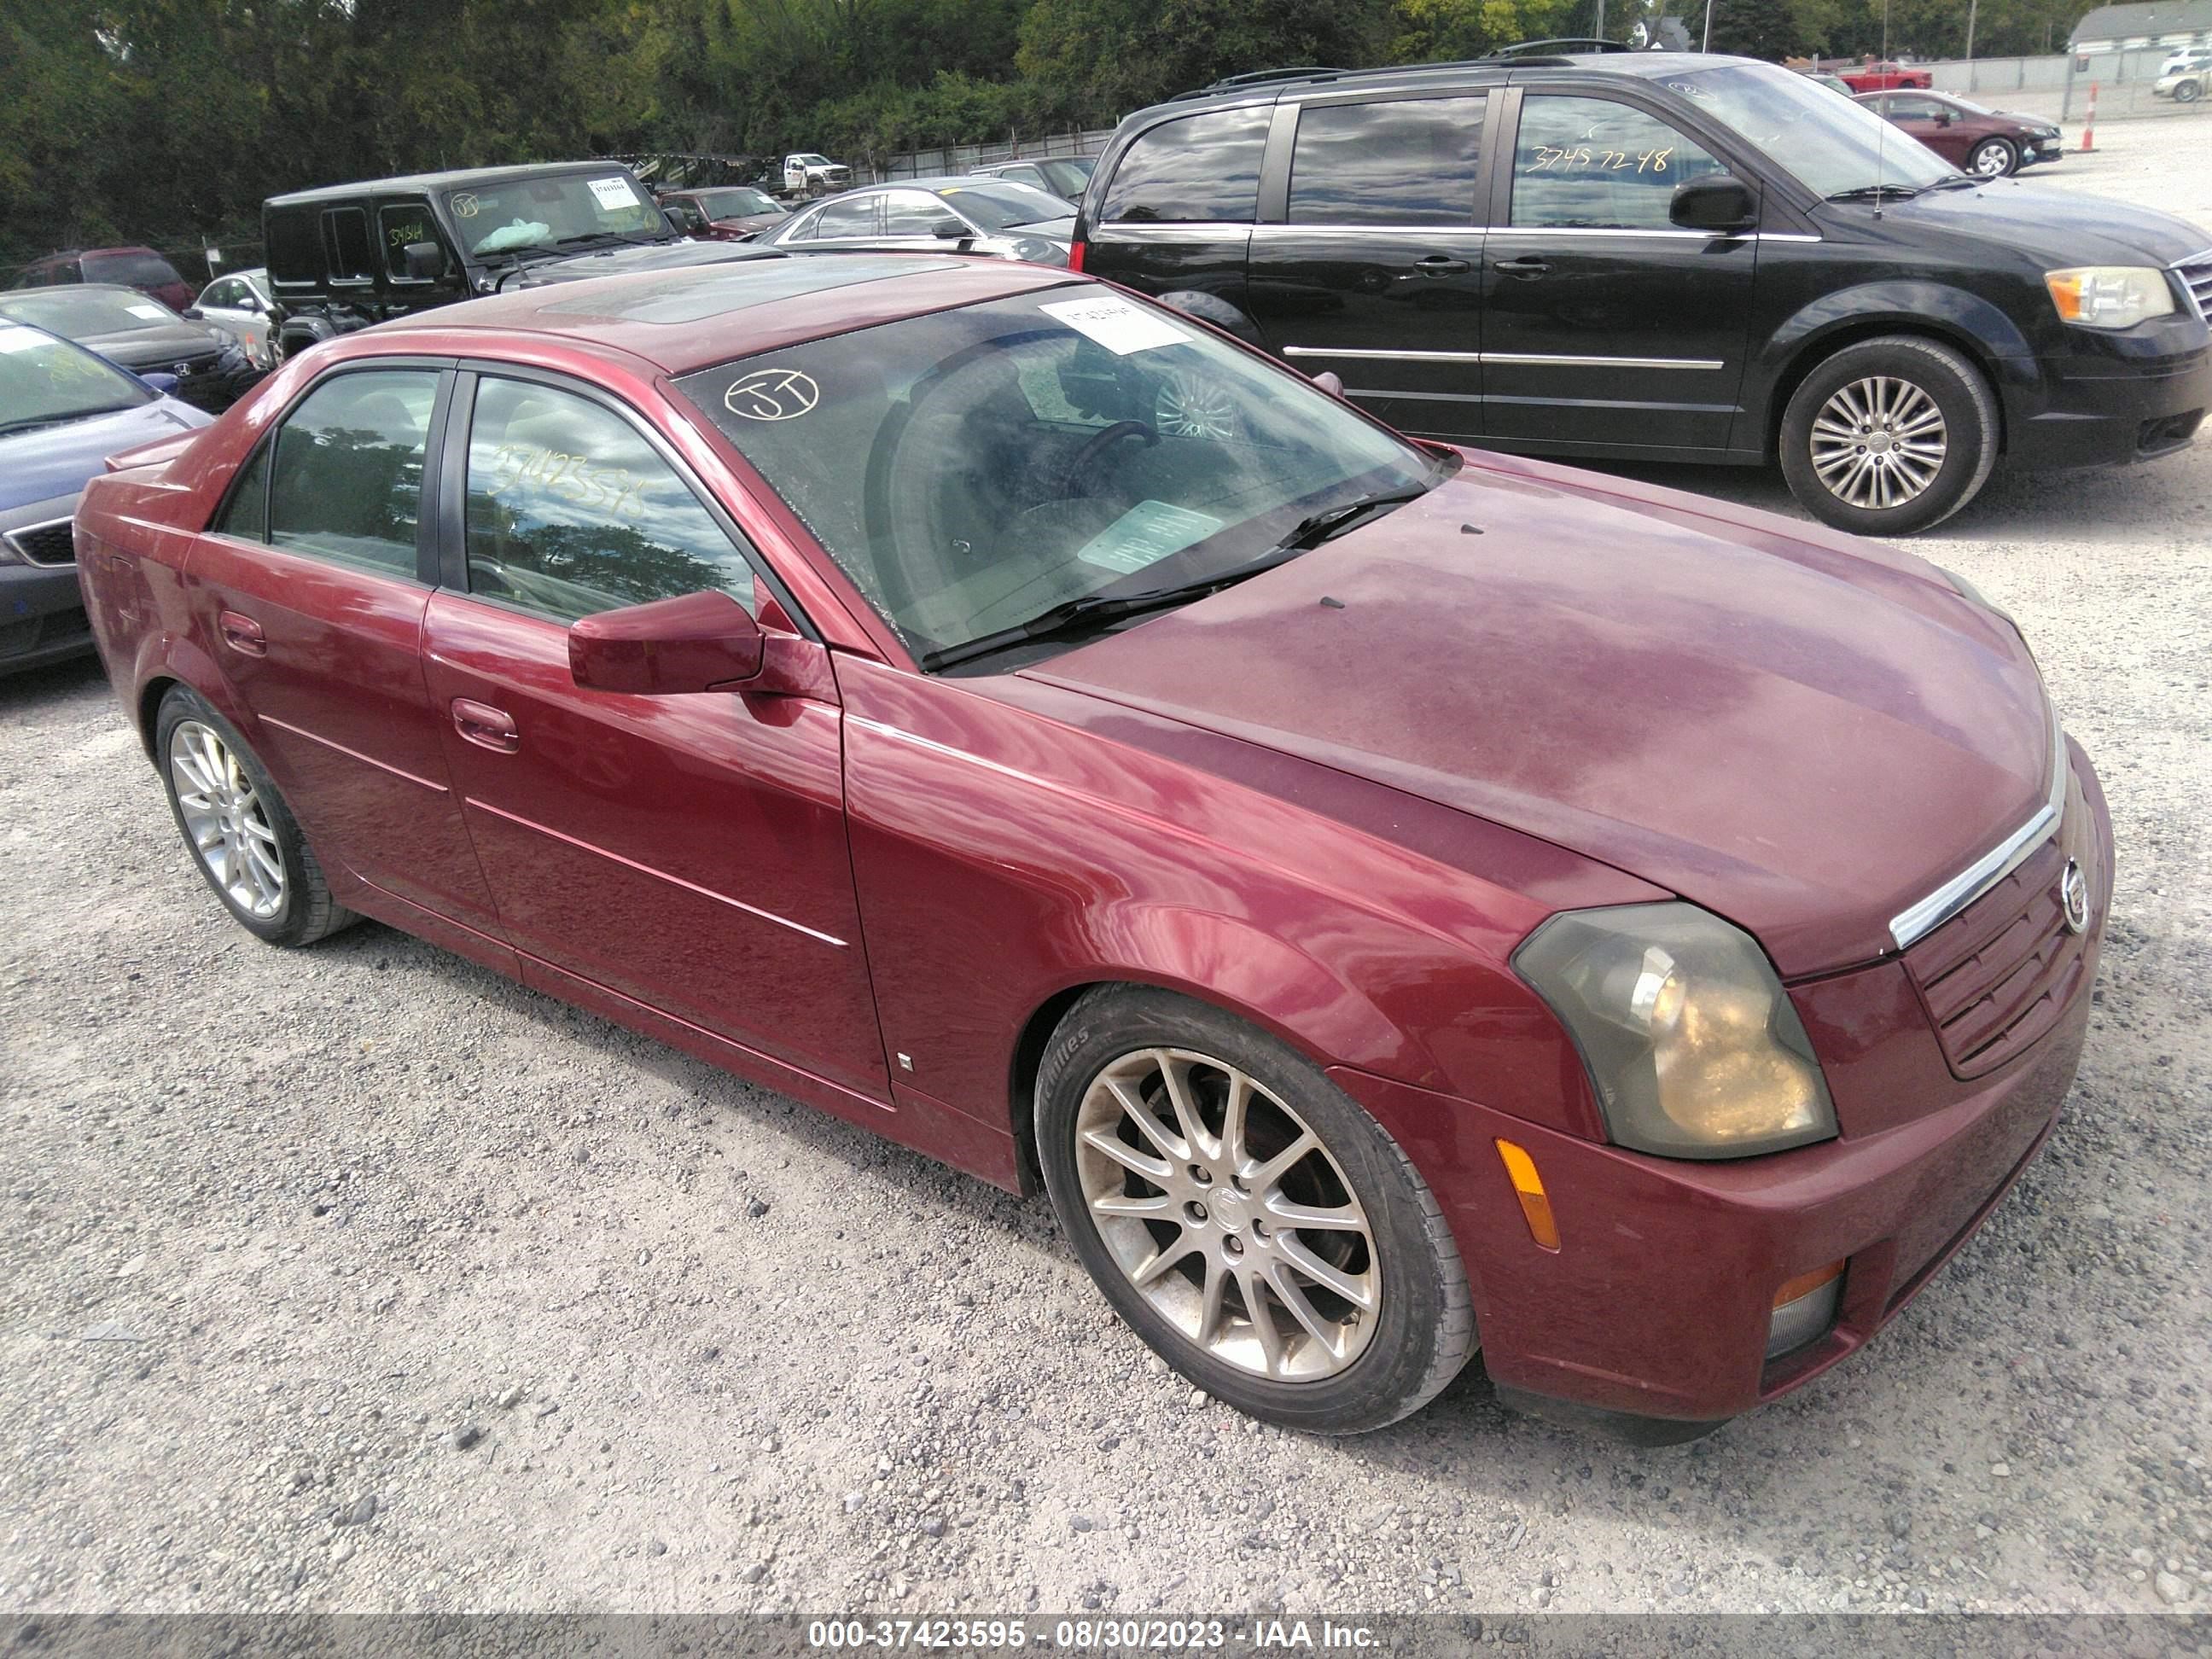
1075	254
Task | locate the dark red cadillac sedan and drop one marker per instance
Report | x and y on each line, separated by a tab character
1400	902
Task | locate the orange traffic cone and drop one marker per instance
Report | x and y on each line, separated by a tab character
2089	125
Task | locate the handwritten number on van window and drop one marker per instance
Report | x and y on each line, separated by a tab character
1551	158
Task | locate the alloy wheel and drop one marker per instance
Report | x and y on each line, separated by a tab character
1991	161
1227	1214
226	820
1879	442
1191	406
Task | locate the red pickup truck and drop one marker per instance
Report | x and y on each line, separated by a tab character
1871	76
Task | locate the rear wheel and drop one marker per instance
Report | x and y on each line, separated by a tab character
242	835
1889	435
1993	158
1257	1227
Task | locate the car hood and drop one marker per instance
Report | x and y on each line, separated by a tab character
2055	227
1056	230
55	460
158	347
1802	738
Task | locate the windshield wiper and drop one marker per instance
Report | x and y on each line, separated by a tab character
1863	192
627	238
1092	608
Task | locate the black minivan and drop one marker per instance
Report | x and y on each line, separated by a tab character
1664	256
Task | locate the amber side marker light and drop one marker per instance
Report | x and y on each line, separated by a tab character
1529	1188
1804	1307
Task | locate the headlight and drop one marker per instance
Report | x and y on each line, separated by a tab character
2109	296
1691	1042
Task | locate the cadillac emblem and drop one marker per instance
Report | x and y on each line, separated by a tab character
2073	897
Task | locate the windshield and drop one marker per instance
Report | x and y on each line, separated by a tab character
85	314
1829	144
553	212
44	380
1069	179
810	160
1967	104
997	203
972	469
737	203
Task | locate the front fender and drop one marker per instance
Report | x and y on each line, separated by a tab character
1981	330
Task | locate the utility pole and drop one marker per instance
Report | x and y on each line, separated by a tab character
1708	44
1599	31
1971	6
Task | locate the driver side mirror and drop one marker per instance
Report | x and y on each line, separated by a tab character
676	222
1719	203
1329	381
425	261
951	230
1942	118
704	641
194	313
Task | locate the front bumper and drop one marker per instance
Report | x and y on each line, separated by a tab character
2134	396
1652	1317
42	616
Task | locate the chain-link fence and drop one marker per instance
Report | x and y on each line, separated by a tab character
2056	87
959	158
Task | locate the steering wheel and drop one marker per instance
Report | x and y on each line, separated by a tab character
1097	445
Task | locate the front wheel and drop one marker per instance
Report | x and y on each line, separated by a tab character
1889	435
1993	158
1257	1227
2189	92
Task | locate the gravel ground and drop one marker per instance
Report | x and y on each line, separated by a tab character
361	1279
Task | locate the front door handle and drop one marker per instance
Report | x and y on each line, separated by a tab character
1527	267
242	633
485	726
1439	265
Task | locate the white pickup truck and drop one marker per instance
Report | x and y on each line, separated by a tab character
806	174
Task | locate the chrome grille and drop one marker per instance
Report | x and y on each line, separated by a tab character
2195	274
1997	975
45	543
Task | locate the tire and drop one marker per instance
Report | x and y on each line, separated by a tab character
1994	158
1897	378
2188	91
1352	1362
271	882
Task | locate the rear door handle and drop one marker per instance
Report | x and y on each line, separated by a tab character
242	633
485	726
1439	265
1526	267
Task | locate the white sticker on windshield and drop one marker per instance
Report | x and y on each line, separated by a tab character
1145	535
615	194
1116	324
151	313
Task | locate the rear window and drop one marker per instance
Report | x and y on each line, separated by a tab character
131	270
1201	168
295	251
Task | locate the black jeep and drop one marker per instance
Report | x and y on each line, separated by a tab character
347	256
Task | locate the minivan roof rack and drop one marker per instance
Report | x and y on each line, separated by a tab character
1525	53
1575	43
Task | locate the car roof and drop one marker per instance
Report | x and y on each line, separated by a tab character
458	178
933	182
1645	65
120	289
690	318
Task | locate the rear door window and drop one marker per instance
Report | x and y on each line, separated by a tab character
854	217
1593	164
1202	168
917	213
1408	162
131	270
346	246
347	482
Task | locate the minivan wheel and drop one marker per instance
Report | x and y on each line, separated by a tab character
1889	435
242	835
1257	1228
1993	158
